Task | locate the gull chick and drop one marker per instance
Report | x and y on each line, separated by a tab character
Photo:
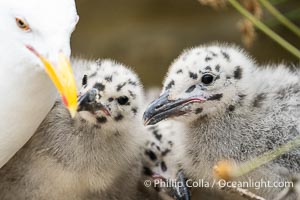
232	110
94	155
161	156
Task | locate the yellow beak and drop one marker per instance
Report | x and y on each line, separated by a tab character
63	79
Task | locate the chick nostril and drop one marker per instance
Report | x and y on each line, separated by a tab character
158	106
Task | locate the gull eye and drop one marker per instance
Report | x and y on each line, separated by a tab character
22	24
207	79
122	100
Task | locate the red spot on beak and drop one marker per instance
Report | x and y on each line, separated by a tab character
65	101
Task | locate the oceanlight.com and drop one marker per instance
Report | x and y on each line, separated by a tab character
220	183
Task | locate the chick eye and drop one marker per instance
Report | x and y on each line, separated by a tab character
122	100
22	24
207	79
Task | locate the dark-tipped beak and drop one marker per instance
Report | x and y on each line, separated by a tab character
181	191
87	102
163	108
178	191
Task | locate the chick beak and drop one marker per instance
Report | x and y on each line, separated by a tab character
164	108
181	190
63	79
178	191
87	102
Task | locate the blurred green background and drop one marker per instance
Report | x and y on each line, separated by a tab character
148	34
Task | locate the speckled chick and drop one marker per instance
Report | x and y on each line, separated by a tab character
232	110
95	155
161	155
